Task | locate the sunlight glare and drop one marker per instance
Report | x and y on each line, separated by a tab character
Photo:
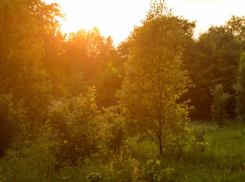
117	17
114	18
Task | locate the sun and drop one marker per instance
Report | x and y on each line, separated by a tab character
115	18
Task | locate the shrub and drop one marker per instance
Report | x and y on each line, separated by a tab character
155	172
11	122
220	99
77	125
114	129
198	143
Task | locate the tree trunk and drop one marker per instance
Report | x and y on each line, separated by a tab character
160	145
161	151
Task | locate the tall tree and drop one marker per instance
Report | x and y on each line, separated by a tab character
154	79
88	52
94	57
24	29
212	59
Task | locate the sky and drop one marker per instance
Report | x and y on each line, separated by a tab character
116	18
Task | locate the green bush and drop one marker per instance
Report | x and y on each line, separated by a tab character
114	129
220	100
155	172
12	117
77	125
198	142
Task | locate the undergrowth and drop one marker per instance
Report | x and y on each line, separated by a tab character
216	154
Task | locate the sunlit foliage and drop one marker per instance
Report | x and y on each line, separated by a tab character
60	119
22	28
78	128
154	79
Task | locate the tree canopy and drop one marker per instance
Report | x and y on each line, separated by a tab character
154	79
79	96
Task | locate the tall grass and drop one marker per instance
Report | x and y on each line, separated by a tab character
219	157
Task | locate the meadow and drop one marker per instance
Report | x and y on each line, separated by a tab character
217	154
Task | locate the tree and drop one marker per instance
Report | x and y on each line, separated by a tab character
218	108
11	121
86	58
240	89
113	121
212	59
22	26
110	80
237	27
88	52
154	79
107	83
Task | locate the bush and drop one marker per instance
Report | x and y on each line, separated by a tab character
77	125
114	129
11	122
198	143
220	99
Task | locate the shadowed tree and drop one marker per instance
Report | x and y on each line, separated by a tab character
212	59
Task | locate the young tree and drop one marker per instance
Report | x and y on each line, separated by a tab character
154	79
220	99
113	121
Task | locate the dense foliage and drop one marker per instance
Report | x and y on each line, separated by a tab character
154	79
77	126
12	121
240	88
214	59
218	111
76	100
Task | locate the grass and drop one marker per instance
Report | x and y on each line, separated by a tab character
219	157
223	159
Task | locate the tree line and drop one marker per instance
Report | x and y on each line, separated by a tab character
82	96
